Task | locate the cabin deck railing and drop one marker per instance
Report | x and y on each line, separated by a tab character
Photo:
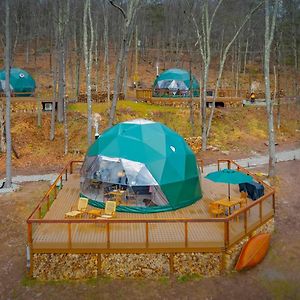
44	205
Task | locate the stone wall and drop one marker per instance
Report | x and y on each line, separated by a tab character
156	265
64	266
204	264
232	254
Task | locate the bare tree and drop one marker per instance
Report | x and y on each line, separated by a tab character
223	58
88	43
127	30
106	52
63	19
269	35
7	93
204	36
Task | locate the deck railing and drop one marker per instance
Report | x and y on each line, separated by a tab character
37	218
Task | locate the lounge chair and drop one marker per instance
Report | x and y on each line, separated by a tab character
110	209
78	210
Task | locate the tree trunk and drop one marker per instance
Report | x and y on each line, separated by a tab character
222	62
2	127
77	46
27	52
66	133
269	34
192	120
126	37
8	180
245	56
88	41
52	124
60	104
106	77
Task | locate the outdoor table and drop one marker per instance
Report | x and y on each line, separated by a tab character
229	203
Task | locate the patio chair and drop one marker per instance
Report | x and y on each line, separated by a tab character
216	210
244	200
79	210
110	209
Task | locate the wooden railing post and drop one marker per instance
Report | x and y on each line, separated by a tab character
273	201
55	191
245	221
29	238
29	232
69	236
48	202
66	174
107	235
226	234
260	211
71	167
147	234
186	234
228	164
61	182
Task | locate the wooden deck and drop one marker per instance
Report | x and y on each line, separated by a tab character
99	236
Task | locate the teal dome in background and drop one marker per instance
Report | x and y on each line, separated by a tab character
176	79
20	81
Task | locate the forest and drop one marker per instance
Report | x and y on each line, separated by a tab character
80	48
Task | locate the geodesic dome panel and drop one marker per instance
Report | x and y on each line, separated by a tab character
151	155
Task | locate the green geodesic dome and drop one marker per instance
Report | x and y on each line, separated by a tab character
174	80
20	81
151	154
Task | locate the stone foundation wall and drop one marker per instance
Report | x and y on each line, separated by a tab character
204	264
64	266
156	265
232	254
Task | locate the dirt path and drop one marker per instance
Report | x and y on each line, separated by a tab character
277	277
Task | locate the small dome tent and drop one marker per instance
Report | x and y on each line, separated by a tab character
149	163
20	81
175	83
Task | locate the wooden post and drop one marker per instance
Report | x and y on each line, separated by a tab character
245	221
61	182
107	235
226	234
260	211
69	236
29	238
186	234
71	167
228	164
66	174
40	212
99	264
147	234
29	232
48	202
171	262
273	201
